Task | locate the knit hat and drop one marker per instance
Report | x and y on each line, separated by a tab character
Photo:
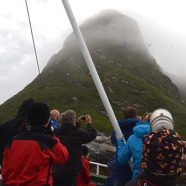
161	118
38	114
162	153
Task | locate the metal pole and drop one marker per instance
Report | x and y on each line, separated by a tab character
33	39
92	69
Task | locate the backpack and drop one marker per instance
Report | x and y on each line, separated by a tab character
162	153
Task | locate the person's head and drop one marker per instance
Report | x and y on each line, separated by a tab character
161	118
162	153
84	150
129	112
23	108
68	118
55	114
38	114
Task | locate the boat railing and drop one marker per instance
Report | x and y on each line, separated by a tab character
98	165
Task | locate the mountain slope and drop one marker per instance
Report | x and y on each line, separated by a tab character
129	73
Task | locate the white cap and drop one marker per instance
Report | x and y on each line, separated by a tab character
161	118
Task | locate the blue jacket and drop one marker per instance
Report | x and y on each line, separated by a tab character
121	173
55	124
133	147
126	126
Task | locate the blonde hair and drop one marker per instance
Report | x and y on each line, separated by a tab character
55	114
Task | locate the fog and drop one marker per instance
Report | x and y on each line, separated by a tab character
162	25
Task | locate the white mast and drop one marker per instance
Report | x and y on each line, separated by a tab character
92	69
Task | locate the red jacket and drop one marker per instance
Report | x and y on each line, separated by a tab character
83	178
29	157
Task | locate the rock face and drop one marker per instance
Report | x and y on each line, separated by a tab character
101	150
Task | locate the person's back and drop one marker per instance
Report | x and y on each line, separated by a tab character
83	178
162	156
30	155
73	137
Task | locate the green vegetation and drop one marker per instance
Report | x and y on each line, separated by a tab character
130	76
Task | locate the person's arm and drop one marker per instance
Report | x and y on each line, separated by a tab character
113	138
123	151
88	134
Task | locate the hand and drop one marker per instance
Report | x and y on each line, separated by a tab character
146	116
88	119
84	119
81	119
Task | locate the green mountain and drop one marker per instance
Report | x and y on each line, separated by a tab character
130	75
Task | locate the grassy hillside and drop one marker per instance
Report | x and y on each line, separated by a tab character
130	75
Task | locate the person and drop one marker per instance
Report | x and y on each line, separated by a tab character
121	174
55	118
133	147
73	136
14	126
162	152
83	178
162	157
30	155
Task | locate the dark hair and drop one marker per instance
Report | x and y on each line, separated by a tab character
84	150
38	114
129	112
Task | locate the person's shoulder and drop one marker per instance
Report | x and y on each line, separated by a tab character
131	138
133	142
44	140
128	120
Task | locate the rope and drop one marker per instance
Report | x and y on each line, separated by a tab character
33	39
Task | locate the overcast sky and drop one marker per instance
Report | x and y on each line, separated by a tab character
162	23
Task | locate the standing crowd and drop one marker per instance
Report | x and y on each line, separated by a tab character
42	147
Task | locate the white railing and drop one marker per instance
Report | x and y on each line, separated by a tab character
98	165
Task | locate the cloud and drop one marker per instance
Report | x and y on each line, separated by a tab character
161	23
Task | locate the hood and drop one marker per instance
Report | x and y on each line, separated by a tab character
141	129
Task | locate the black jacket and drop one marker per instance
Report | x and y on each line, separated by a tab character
72	137
13	126
8	131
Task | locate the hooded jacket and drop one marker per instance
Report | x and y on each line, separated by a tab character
29	158
121	173
83	178
133	147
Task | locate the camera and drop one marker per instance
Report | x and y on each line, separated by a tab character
83	118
